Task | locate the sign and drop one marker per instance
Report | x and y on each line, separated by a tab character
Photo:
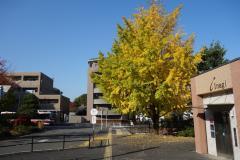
94	112
206	83
94	119
217	85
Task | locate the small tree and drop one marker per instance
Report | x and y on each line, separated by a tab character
212	56
29	105
81	100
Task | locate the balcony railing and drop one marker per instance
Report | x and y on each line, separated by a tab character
99	101
96	90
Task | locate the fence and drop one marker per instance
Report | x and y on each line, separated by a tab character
142	128
46	142
166	127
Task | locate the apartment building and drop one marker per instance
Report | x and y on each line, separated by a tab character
50	98
95	100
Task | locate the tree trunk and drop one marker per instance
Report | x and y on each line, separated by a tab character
155	118
156	124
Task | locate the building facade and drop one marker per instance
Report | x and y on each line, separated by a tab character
50	98
95	100
216	110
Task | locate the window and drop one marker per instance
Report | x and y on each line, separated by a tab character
212	130
30	78
102	106
48	101
16	78
30	90
97	95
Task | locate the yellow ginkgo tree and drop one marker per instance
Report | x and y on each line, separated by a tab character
150	65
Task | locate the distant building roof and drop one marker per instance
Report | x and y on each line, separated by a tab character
28	74
93	60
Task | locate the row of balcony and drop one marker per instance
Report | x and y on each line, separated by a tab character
99	101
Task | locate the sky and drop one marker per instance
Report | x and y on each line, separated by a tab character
58	37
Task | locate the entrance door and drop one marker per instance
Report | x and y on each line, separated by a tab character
223	134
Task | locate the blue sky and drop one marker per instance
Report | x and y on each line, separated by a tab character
57	37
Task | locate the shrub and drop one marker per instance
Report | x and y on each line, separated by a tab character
29	105
21	130
4	131
188	132
22	120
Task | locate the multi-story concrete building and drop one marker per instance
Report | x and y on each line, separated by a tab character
95	100
50	98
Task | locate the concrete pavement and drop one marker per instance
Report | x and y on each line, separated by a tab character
125	146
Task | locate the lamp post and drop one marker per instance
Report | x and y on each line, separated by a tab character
106	118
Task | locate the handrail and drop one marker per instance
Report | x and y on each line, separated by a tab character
63	140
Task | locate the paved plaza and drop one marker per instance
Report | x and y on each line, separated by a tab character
123	146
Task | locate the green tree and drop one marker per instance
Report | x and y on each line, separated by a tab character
8	101
150	65
212	56
81	100
29	105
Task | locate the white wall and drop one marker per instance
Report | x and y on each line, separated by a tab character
221	100
211	141
233	120
218	99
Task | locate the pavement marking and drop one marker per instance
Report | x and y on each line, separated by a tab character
108	150
43	140
85	143
122	131
119	132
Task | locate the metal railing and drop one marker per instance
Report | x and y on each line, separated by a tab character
51	142
38	141
142	128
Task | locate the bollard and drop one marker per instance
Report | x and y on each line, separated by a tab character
63	142
89	141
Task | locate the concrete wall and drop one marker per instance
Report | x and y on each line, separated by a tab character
93	101
46	84
235	73
89	94
199	120
45	91
27	84
64	104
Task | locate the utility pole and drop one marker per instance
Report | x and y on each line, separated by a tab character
1	92
101	118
